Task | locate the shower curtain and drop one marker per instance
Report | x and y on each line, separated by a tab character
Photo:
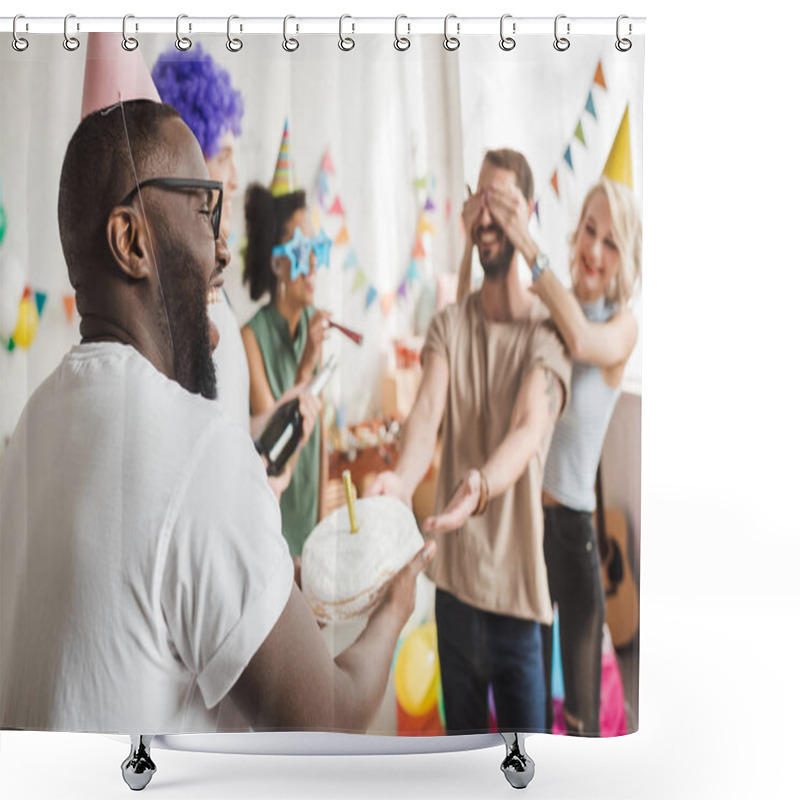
461	205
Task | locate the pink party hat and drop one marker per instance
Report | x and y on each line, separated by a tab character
113	74
283	181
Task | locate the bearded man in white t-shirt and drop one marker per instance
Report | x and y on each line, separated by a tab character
143	575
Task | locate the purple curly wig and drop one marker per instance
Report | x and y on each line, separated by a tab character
202	93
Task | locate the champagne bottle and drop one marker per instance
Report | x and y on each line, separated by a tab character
284	430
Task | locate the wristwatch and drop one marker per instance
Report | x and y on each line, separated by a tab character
541	263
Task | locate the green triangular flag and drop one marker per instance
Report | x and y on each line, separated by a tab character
579	134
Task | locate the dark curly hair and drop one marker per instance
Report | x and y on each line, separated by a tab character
201	91
265	219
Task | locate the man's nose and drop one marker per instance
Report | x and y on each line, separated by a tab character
222	254
484	217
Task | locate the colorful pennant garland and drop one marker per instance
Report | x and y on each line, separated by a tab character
329	204
578	134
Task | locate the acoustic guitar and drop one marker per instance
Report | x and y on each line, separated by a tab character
622	599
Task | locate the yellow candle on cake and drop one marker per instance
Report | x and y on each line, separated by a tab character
350	496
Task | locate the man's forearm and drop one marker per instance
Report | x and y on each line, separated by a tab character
362	672
417	449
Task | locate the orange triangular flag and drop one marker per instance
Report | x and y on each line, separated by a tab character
343	236
69	305
554	182
419	250
387	301
599	78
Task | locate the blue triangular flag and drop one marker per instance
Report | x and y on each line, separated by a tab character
413	271
568	156
590	106
351	260
372	293
323	182
41	299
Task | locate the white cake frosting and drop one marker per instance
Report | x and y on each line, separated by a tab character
343	572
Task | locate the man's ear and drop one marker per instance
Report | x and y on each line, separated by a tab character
126	236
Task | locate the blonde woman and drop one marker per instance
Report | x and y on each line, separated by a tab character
600	331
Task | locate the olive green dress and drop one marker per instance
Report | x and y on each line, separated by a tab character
281	355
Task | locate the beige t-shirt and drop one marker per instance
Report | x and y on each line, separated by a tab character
495	562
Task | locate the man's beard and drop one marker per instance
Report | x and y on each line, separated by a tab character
498	266
186	295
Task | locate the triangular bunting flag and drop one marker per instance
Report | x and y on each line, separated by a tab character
323	183
579	134
568	156
10	344
554	182
315	219
447	210
320	196
421	183
360	280
351	260
336	208
69	305
402	289
429	206
424	226
343	237
387	301
327	163
372	293
412	273
536	211
599	78
419	250
41	299
590	106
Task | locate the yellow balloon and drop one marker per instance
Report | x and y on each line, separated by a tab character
416	671
27	323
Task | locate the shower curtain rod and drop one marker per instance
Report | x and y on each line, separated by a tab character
299	25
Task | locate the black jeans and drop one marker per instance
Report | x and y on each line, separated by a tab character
478	648
573	572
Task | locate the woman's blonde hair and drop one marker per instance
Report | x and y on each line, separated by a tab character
626	225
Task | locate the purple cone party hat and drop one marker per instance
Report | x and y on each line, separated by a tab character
619	166
283	181
113	74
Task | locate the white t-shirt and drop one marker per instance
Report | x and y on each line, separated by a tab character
141	556
230	363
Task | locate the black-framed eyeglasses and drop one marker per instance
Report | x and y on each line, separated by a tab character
183	184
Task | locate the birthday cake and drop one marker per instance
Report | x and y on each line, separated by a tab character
343	572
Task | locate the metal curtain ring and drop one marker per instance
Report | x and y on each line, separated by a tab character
623	45
401	42
71	43
290	44
507	42
451	43
346	43
18	43
183	43
561	43
129	43
233	44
